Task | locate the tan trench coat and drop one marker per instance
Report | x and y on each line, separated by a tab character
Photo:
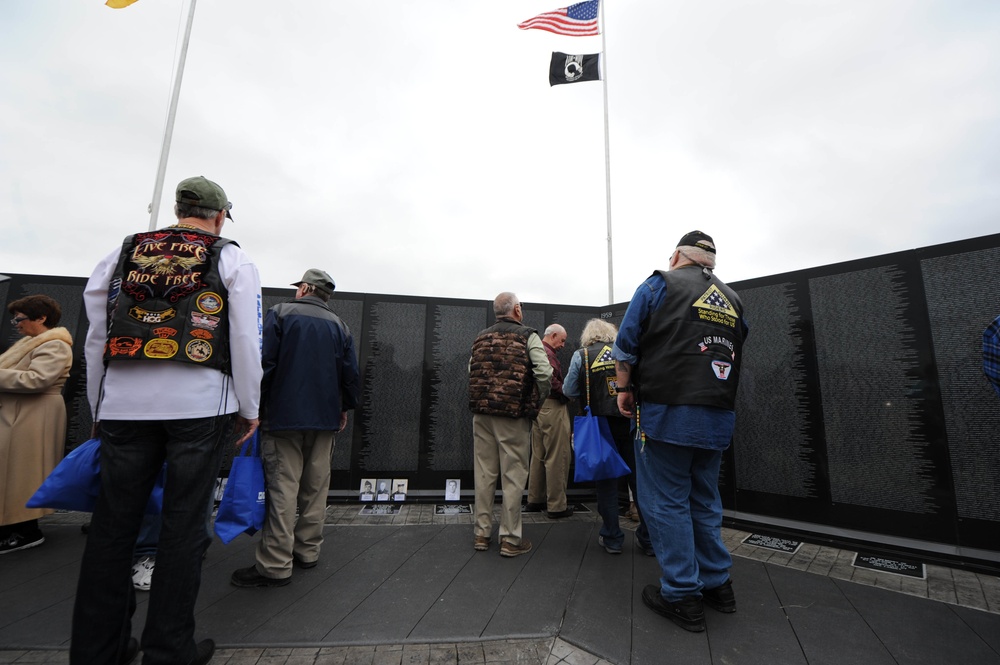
32	418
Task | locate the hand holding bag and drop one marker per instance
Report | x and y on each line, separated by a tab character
242	508
596	455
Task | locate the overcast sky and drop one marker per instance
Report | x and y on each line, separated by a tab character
417	148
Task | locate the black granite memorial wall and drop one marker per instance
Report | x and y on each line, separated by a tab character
862	408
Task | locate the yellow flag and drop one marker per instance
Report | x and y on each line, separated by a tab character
118	4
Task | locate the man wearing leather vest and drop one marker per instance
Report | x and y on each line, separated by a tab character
509	378
173	369
677	359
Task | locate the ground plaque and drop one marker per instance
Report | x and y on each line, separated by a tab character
380	509
459	509
772	543
895	565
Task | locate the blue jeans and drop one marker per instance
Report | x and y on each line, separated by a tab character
132	453
607	490
149	537
679	492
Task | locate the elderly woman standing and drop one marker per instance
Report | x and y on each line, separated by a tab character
595	346
32	415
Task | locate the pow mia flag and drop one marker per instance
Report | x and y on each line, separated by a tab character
566	68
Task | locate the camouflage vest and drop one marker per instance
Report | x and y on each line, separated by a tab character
501	382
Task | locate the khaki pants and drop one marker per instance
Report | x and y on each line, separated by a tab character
500	449
550	456
297	468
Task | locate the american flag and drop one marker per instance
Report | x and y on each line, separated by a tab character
579	20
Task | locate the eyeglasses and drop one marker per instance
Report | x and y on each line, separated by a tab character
17	319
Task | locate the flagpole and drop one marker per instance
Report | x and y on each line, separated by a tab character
607	157
154	207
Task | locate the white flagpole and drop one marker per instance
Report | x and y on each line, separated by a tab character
154	207
607	156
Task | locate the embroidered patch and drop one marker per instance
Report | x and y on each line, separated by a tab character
202	334
603	360
721	369
124	346
160	349
164	332
198	350
612	382
150	316
713	306
210	303
200	320
715	340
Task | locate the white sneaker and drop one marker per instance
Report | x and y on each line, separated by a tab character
142	573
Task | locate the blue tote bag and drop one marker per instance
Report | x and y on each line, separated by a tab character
75	483
242	507
596	455
595	452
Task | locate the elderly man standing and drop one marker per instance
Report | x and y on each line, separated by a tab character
678	355
311	380
173	368
550	439
509	376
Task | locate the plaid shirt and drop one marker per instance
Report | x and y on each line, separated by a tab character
991	353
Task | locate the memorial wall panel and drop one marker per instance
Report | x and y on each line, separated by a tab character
878	401
962	301
388	439
778	444
454	328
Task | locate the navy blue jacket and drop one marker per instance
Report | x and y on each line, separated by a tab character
310	367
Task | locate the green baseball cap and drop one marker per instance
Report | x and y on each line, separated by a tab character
202	192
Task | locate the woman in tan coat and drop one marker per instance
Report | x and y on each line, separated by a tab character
32	415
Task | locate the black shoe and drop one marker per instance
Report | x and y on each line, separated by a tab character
299	563
687	613
533	507
646	549
205	651
131	651
562	513
249	577
21	541
721	598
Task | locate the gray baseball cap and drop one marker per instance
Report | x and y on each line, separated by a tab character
317	278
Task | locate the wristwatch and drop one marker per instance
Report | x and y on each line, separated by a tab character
624	389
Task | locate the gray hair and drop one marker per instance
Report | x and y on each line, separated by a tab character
698	255
597	330
311	290
182	210
552	329
503	304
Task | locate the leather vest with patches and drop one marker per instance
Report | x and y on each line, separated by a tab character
692	346
603	380
501	382
167	302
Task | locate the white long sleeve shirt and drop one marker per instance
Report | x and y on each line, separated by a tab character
172	390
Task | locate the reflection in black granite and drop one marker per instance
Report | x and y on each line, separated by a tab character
957	325
450	421
773	446
869	375
391	388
